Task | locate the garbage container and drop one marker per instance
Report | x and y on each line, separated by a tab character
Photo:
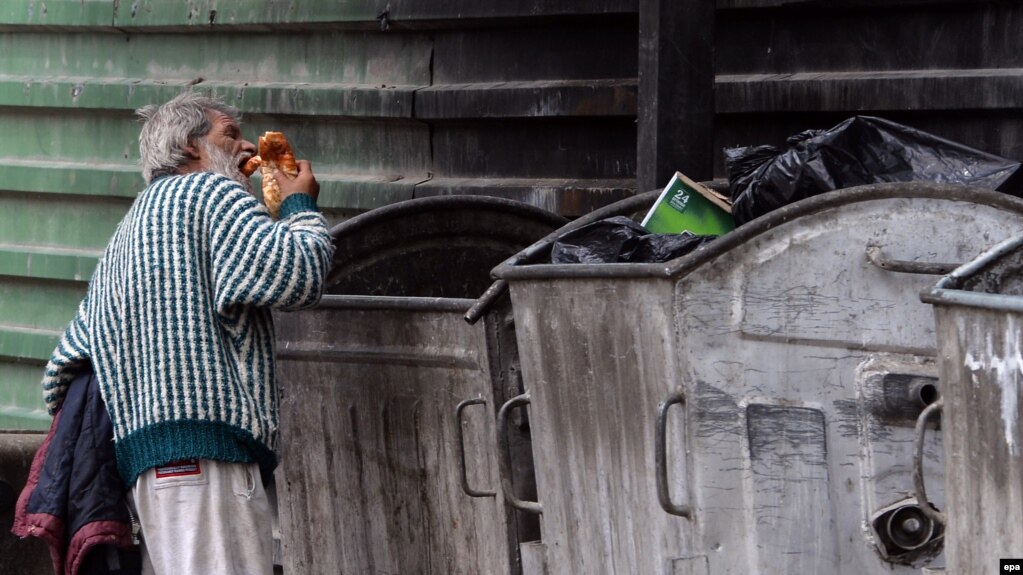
800	356
377	476
28	556
978	312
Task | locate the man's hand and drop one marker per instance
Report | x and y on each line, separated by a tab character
304	183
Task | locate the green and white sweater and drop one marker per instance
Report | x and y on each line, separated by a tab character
176	321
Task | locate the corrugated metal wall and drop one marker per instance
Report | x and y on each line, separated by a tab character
529	99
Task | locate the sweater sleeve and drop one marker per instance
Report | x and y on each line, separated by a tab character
261	262
70	356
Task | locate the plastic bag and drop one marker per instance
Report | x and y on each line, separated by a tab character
619	240
860	150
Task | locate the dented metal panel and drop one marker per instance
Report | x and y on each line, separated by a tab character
369	386
803	366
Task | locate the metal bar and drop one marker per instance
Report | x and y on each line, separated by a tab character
661	457
434	304
918	466
879	259
505	457
461	449
989	301
676	91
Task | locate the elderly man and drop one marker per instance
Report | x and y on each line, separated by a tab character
176	324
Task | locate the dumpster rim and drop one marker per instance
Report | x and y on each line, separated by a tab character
949	292
408	303
414	206
684	265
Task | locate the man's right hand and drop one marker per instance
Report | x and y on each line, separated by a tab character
304	183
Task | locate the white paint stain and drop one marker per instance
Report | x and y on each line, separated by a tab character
1006	367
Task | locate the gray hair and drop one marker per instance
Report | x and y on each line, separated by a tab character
170	127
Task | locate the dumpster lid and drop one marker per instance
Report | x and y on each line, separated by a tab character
442	246
514	270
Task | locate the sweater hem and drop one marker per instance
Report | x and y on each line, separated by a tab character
170	441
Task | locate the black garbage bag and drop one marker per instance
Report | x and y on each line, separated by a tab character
621	240
860	150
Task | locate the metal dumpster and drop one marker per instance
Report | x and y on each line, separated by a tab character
19	556
800	355
377	476
978	312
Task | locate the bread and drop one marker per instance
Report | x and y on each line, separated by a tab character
275	152
251	166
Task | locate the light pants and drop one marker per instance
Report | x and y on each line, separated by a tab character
202	517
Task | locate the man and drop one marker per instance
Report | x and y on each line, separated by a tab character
176	324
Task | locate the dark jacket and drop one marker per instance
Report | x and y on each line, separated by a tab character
75	499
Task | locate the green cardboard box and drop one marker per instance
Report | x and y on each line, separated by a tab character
685	205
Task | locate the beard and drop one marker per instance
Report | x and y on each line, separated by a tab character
223	163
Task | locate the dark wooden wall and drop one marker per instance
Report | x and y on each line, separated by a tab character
544	104
951	68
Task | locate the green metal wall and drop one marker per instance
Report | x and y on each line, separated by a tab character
389	99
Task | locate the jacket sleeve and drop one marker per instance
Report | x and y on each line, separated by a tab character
70	356
260	262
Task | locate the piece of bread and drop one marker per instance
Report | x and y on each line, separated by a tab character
275	152
251	166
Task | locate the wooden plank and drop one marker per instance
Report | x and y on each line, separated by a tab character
57	12
676	83
816	4
956	36
41	265
568	197
574	50
933	90
306	99
528	99
585	148
204	13
25	344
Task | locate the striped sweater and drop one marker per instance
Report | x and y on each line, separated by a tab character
176	321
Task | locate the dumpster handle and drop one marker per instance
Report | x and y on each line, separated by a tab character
661	457
918	464
504	457
461	449
877	257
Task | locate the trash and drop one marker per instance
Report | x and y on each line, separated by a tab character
860	150
620	240
685	205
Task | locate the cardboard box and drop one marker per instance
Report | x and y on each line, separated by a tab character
685	205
